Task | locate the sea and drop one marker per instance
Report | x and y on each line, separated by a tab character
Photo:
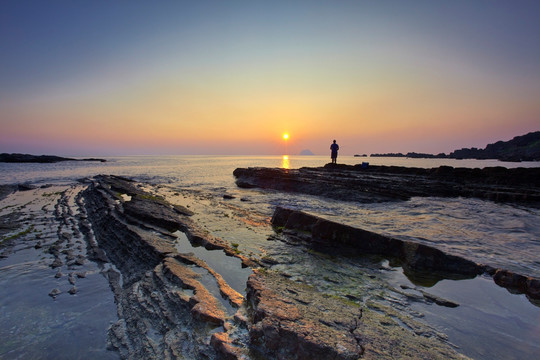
501	235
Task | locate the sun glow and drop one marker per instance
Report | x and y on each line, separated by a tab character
285	136
285	162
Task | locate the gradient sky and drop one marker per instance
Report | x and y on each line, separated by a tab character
80	78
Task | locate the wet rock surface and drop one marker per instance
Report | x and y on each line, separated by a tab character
5	190
394	183
288	322
292	320
166	306
50	310
329	236
172	302
165	310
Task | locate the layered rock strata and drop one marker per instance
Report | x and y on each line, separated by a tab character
393	183
165	310
172	304
413	257
166	307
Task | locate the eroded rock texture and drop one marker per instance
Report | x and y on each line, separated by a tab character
165	311
174	305
294	321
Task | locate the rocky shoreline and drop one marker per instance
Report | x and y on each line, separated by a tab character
412	256
393	183
173	303
278	318
159	290
164	309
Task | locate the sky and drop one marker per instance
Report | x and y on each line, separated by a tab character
81	78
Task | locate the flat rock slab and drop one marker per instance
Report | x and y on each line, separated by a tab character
414	257
393	183
153	211
294	321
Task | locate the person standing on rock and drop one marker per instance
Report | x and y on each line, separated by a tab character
334	148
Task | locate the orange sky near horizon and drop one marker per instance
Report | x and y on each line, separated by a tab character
234	82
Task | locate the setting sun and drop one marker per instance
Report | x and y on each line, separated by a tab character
285	136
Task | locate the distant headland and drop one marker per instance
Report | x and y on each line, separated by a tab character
520	148
27	158
306	152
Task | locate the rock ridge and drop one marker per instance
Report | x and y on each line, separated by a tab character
393	183
412	256
164	309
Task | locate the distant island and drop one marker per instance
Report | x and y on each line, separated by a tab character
27	158
306	152
520	148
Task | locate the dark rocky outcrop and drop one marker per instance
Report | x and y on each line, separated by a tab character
518	283
27	158
414	257
520	148
412	155
393	183
5	190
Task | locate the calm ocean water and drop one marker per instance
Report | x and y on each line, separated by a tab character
203	170
501	235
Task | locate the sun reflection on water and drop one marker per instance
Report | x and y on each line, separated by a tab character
285	162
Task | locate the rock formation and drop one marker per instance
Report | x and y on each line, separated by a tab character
295	321
27	158
393	183
520	148
173	304
166	307
413	257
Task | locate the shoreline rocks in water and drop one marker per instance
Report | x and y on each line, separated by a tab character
393	183
164	308
164	292
172	304
292	320
43	159
412	256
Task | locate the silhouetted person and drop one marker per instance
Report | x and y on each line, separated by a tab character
334	147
